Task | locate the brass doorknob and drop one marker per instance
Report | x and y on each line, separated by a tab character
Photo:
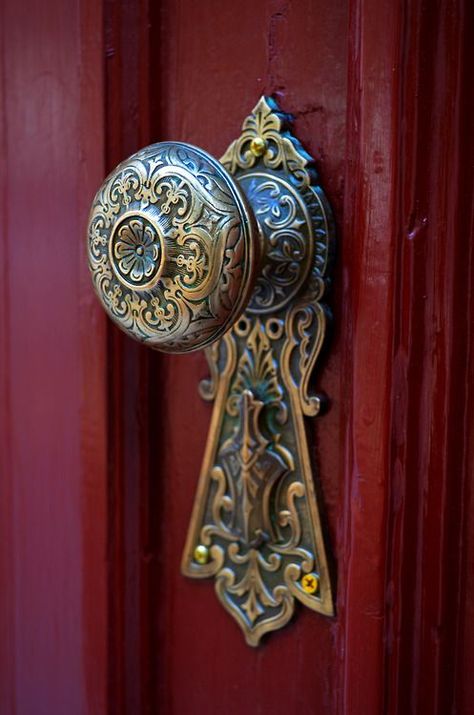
173	247
177	256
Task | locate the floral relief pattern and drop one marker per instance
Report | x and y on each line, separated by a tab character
136	251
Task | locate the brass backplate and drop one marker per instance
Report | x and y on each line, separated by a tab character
256	526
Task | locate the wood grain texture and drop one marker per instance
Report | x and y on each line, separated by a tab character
53	615
429	625
370	240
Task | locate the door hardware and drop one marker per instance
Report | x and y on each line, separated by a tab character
233	256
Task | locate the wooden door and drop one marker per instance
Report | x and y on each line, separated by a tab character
102	440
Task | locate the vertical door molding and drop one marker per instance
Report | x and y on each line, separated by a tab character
369	250
406	584
53	446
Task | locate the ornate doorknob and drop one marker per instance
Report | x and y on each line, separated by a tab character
180	246
173	247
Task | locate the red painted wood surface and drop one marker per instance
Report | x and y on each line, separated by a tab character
430	630
215	64
101	440
53	470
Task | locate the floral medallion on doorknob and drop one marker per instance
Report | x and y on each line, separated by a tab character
187	252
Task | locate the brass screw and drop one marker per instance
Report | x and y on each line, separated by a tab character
258	146
201	554
310	583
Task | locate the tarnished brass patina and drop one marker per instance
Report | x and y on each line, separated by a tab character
186	252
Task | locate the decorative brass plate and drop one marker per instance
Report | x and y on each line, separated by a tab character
255	527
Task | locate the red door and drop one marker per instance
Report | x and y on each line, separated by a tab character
102	439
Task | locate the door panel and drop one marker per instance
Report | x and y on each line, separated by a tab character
102	440
215	76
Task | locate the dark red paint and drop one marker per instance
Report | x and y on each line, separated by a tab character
53	446
101	440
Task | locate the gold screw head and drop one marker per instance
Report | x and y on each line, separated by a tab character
310	583
201	554
258	146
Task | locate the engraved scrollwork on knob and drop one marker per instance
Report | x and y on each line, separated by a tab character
173	247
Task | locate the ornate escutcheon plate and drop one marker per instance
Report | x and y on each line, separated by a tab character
256	526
